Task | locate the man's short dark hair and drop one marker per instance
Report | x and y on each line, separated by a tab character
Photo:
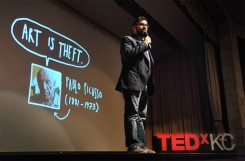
138	19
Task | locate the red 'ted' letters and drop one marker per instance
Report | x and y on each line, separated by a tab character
180	142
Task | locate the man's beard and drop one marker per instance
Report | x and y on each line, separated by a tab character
141	33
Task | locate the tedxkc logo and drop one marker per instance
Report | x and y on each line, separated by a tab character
195	142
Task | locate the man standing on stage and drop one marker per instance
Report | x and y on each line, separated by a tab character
136	84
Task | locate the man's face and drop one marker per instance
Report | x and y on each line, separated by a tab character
46	84
141	27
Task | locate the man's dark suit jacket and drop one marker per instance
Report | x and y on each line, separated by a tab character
135	74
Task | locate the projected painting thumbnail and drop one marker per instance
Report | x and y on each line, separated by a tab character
45	87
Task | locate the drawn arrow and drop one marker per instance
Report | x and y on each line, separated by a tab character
62	118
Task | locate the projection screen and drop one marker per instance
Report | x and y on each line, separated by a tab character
58	74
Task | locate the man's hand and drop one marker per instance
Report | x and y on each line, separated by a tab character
147	40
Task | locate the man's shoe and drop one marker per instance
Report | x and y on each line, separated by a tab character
136	149
149	150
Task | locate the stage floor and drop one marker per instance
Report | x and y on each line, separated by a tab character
117	156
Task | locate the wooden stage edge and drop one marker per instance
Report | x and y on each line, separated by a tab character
115	156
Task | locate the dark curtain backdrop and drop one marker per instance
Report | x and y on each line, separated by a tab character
213	86
181	102
188	95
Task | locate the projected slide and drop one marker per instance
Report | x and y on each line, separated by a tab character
45	83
